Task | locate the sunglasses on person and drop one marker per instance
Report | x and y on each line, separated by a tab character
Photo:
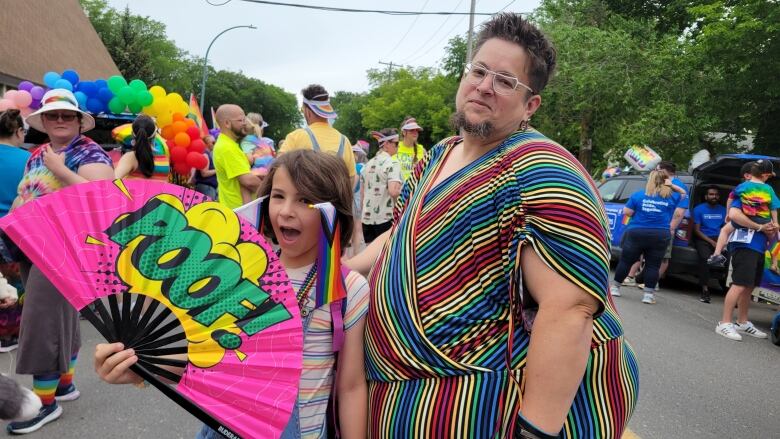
65	117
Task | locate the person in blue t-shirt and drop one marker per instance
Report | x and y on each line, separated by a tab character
708	218
655	214
670	170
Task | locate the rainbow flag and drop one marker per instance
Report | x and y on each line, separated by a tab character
198	116
330	282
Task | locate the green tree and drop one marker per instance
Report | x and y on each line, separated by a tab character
423	93
454	61
348	105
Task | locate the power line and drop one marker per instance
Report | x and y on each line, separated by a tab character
409	30
369	11
414	55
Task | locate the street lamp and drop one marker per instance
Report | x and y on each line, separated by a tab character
206	64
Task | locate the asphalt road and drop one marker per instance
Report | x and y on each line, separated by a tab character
694	383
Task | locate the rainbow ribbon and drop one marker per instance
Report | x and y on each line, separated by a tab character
330	282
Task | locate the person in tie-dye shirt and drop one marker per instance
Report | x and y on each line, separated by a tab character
49	339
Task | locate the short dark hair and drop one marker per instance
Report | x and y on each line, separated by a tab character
666	165
319	177
761	167
711	187
745	169
514	28
315	92
10	122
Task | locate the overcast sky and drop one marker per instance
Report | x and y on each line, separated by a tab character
294	47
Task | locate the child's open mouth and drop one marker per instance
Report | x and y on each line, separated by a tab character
290	234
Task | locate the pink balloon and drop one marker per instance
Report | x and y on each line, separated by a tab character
23	99
26	111
6	104
10	95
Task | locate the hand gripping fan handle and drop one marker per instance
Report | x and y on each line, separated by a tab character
184	402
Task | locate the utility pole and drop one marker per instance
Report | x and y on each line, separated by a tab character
471	32
389	65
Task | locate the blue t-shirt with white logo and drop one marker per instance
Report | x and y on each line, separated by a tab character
652	211
709	218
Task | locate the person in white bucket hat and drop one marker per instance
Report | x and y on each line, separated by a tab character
49	340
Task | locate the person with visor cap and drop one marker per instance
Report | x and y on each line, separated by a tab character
409	151
318	134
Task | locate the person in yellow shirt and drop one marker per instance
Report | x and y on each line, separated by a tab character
318	134
409	151
236	185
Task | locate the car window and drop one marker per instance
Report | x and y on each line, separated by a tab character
630	187
609	189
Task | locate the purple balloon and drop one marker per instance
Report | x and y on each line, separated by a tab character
214	132
26	85
37	92
35	104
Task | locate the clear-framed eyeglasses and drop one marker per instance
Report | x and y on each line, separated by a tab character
502	84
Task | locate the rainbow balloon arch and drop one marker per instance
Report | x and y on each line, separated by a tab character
181	123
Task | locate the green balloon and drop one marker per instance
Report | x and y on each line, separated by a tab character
134	107
116	105
138	85
116	83
127	95
145	98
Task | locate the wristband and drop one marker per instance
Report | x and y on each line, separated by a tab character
527	430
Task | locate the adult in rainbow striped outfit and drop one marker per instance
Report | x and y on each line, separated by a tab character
489	313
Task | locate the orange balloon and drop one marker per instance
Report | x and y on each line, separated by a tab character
167	132
178	117
182	139
189	122
179	127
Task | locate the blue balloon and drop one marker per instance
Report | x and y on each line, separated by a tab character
88	88
63	83
71	76
51	78
82	99
95	105
101	83
105	95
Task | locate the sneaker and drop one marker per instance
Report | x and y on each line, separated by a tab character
629	282
728	330
614	290
717	261
70	393
751	330
705	296
45	415
642	287
649	298
7	345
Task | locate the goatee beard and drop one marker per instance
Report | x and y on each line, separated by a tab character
482	130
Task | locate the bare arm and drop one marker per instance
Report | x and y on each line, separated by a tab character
394	188
250	184
679	213
352	388
126	165
697	231
206	172
560	343
740	218
94	171
628	211
364	261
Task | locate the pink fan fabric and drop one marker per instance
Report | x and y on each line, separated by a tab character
68	235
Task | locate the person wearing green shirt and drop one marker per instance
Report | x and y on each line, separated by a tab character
236	184
409	151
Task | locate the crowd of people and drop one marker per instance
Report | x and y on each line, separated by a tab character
482	292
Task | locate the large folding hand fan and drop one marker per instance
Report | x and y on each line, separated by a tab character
192	288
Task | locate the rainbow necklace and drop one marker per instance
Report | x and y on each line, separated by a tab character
303	291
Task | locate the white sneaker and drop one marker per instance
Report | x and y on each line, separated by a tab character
728	330
649	298
749	329
629	282
614	290
642	287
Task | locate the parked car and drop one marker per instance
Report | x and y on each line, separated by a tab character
721	172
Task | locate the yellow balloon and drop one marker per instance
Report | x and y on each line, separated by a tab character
157	92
